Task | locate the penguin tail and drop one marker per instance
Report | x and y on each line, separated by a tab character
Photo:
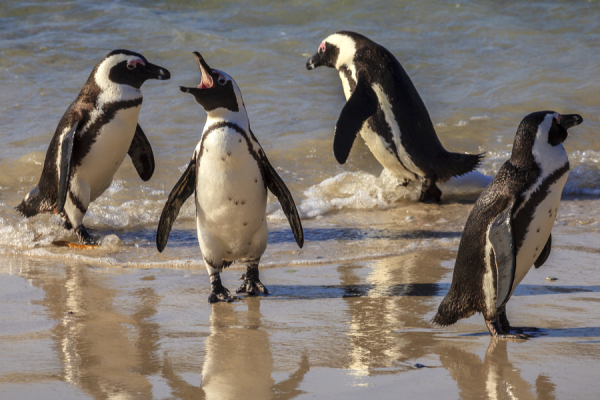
448	312
456	164
33	204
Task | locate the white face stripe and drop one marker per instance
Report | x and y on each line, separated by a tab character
347	51
549	158
112	91
222	114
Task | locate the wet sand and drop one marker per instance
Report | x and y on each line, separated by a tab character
351	330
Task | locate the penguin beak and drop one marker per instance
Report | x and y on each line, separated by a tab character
206	81
152	71
570	120
314	62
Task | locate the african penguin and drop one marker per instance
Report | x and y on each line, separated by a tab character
92	138
230	174
384	106
508	229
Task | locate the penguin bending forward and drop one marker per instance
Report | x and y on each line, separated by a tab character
508	229
230	174
91	140
384	106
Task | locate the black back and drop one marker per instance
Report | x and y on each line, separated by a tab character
418	134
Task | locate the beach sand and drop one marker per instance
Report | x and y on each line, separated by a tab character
334	330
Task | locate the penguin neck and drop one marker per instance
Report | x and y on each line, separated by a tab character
239	118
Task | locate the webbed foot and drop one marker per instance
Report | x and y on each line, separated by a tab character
496	330
430	192
84	236
219	292
252	284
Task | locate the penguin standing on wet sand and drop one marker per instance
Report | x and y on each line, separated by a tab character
508	229
91	140
384	106
230	174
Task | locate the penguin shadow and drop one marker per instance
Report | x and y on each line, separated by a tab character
238	361
403	290
188	238
146	237
493	378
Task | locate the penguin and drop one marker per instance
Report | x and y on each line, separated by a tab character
229	173
91	140
509	228
385	107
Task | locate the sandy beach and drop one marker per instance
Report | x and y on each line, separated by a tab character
344	330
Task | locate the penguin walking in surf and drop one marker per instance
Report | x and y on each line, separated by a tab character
384	106
91	140
508	229
229	172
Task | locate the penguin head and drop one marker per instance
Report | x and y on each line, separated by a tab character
336	50
124	67
216	91
540	135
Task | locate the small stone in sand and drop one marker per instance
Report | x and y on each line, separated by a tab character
551	278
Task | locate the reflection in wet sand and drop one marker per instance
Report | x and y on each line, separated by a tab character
104	352
495	378
238	362
378	317
108	353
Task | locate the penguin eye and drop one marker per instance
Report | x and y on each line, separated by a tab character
131	65
221	79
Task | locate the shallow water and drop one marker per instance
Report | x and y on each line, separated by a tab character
479	67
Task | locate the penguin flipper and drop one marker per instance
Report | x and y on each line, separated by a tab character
183	189
361	105
64	174
278	188
141	154
502	239
544	254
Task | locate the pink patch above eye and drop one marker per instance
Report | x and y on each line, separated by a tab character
136	62
322	47
558	118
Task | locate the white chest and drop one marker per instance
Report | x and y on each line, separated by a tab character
108	151
539	230
231	195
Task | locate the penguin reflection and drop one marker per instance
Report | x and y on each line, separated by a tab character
495	378
100	352
238	362
390	305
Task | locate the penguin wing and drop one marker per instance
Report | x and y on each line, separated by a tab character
180	193
278	188
544	254
66	154
141	154
501	237
361	105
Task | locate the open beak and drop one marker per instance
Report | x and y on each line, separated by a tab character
152	71
570	120
314	61
206	81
